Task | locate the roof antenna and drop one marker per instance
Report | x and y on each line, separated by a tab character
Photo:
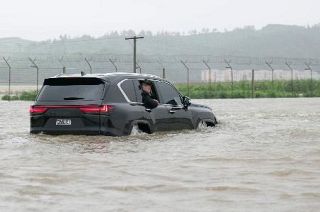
83	73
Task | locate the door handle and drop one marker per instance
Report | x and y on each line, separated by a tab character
175	108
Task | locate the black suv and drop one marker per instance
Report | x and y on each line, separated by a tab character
111	104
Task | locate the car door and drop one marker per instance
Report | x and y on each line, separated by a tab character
159	116
180	117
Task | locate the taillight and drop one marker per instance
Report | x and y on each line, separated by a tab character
105	108
96	109
37	109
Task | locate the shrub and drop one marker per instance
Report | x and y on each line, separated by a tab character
12	97
262	89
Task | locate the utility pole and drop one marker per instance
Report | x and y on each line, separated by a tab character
134	38
34	65
291	69
9	69
272	70
87	61
113	62
231	69
209	68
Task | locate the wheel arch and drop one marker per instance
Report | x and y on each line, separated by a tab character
209	122
143	125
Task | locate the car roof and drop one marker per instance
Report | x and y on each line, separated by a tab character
109	76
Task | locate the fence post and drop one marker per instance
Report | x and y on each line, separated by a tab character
231	69
9	81
163	68
188	76
291	69
252	85
34	65
209	68
272	70
63	66
113	62
308	68
139	67
163	73
87	61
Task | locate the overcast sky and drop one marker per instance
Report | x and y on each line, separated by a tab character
45	19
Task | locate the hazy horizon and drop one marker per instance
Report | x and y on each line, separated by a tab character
154	33
43	19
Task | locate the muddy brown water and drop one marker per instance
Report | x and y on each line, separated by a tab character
263	156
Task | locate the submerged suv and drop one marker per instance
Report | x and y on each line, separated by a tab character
111	104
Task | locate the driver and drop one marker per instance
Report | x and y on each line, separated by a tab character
147	99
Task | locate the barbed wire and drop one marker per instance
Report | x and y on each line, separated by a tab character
168	59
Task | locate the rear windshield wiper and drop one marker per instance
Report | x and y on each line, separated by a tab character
72	98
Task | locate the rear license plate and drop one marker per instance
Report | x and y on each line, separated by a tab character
63	122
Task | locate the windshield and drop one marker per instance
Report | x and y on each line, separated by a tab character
68	89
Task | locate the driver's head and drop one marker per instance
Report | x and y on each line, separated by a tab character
146	86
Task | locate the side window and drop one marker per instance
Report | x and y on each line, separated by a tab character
169	94
128	88
138	90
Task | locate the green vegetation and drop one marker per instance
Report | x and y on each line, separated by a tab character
221	90
13	97
24	96
243	89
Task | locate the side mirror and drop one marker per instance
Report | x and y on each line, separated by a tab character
186	101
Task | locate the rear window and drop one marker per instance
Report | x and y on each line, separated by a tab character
68	89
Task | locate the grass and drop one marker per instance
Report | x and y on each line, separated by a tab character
24	96
243	89
221	90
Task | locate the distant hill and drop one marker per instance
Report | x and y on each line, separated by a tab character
272	40
163	49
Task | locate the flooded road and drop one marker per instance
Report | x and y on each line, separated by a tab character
263	156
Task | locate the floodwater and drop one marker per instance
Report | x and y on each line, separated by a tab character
263	156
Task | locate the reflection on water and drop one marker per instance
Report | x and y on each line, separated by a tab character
263	156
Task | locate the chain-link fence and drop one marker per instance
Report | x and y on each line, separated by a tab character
249	74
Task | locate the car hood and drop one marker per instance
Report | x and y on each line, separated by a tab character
201	106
